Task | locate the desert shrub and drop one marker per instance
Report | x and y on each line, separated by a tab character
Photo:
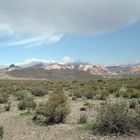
132	93
138	101
22	105
26	114
27	103
136	119
136	122
89	93
100	80
112	87
102	94
117	94
123	91
88	104
77	93
56	109
74	98
135	93
40	109
113	118
22	94
86	92
1	131
38	118
83	118
7	106
39	91
4	97
132	104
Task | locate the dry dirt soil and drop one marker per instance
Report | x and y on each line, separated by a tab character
21	127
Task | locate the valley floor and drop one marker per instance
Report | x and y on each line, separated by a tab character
21	127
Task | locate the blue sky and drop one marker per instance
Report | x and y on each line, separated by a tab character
120	46
96	40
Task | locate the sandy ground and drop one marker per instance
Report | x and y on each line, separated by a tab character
17	127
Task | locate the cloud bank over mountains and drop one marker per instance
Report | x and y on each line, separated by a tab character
67	16
46	21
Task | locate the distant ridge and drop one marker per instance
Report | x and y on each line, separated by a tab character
68	71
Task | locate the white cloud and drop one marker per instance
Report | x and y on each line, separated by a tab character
26	41
55	38
5	29
76	16
32	41
34	61
67	59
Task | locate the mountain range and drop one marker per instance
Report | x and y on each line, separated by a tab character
66	71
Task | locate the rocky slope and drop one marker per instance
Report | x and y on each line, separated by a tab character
135	69
68	71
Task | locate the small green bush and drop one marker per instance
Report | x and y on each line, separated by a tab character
113	118
138	101
22	94
27	103
132	104
137	123
7	106
88	104
38	91
86	92
1	131
4	97
38	118
89	93
77	93
56	109
136	119
73	98
132	93
83	118
22	105
102	94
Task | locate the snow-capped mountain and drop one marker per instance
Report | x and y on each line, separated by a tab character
55	66
12	67
84	67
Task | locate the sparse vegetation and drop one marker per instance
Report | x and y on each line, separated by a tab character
53	102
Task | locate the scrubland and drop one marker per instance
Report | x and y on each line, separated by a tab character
101	109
